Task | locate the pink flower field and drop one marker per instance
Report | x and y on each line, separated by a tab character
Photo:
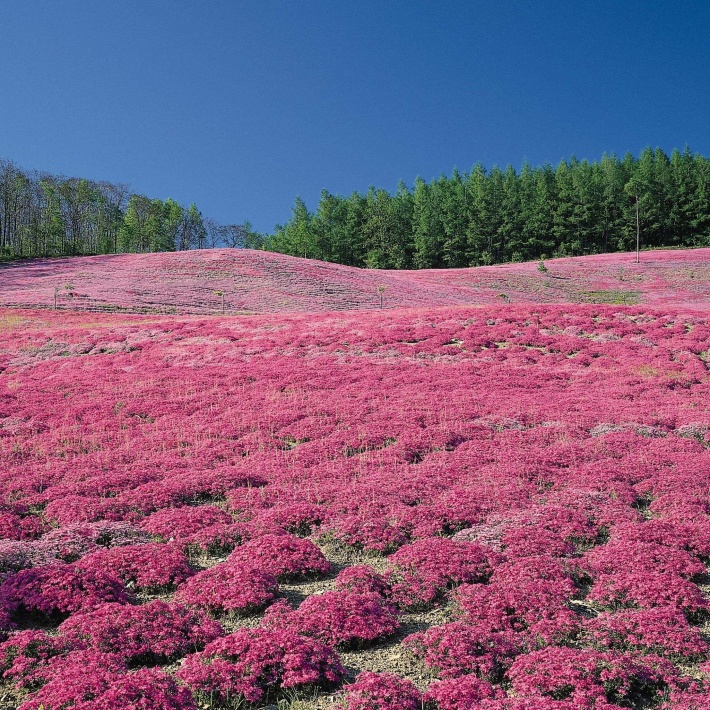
263	282
489	506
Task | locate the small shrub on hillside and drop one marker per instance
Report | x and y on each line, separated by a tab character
65	544
21	554
229	587
253	662
363	532
691	536
422	571
75	680
180	524
462	693
86	680
145	689
537	611
362	579
156	632
151	566
284	556
661	631
457	648
25	653
622	555
59	589
339	618
585	676
694	698
531	542
296	518
381	691
628	588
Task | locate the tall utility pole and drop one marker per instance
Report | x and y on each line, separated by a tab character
638	230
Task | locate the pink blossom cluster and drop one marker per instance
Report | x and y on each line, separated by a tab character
156	632
251	662
59	589
89	680
151	566
381	691
229	587
422	571
283	556
339	618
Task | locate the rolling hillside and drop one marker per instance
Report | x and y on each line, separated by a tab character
263	282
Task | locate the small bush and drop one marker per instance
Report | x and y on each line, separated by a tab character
381	691
157	632
229	587
252	663
59	590
283	556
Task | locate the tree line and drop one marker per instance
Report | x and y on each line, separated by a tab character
492	216
45	215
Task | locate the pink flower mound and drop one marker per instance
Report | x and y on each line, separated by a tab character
662	631
156	632
537	611
621	555
217	539
68	544
152	566
364	532
75	681
629	588
70	509
19	554
346	619
457	649
296	518
65	544
587	676
528	596
180	524
691	536
229	587
545	704
250	663
59	589
283	556
529	541
462	693
382	691
87	680
24	655
14	527
697	698
423	571
146	689
361	579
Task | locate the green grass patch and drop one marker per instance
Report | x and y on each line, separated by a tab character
616	297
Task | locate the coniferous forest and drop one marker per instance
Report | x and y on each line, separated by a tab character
491	216
484	216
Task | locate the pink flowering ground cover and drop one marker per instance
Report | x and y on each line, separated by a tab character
265	282
502	507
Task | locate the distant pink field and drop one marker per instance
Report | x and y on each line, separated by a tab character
262	282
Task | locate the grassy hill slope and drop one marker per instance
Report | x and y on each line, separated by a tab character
263	282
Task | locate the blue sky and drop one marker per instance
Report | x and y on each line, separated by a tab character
241	106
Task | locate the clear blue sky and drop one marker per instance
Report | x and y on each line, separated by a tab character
240	106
